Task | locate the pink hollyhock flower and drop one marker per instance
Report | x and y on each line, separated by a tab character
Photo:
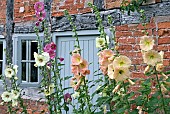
40	14
37	23
40	19
52	54
39	6
75	69
53	46
76	59
50	47
67	98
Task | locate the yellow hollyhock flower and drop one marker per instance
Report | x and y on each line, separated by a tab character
122	61
152	57
146	43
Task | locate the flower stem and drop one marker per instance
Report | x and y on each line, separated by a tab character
125	96
159	87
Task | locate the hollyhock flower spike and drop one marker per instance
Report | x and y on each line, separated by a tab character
39	6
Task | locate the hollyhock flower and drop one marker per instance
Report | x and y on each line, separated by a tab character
76	95
163	88
146	69
85	72
121	73
15	94
6	96
122	61
50	47
41	14
146	43
83	65
67	98
116	88
162	55
39	6
52	54
9	72
15	67
42	59
53	46
75	69
103	69
100	42
76	59
164	76
110	71
106	57
152	57
61	59
49	90
159	67
14	103
40	19
131	82
37	23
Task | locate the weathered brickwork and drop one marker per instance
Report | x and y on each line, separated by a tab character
128	29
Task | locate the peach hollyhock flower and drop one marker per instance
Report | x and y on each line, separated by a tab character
159	67
76	59
122	61
103	69
146	43
75	69
110	72
116	88
121	73
106	57
75	81
146	69
152	57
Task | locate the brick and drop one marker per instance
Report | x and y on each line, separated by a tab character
166	62
125	47
122	28
162	48
148	26
165	40
138	75
123	34
164	32
164	25
167	55
137	61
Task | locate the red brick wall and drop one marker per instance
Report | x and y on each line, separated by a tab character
33	107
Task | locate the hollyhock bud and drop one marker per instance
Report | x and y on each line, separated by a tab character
61	59
37	23
67	98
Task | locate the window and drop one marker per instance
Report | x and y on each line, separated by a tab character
24	48
2	56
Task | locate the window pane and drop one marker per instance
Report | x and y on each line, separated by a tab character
34	45
23	71
1	50
0	68
23	50
34	73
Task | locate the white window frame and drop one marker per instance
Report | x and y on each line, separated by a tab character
4	56
17	38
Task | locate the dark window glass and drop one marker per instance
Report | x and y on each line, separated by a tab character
34	73
33	49
24	71
23	50
1	50
0	69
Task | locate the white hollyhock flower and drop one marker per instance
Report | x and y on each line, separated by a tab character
15	94
14	103
15	67
146	43
100	42
42	59
9	72
6	96
76	94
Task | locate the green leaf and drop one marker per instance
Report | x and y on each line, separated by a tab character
121	110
